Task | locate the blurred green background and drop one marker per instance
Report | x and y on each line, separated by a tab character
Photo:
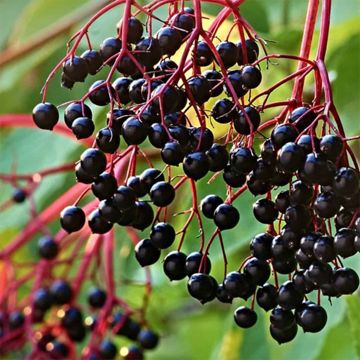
189	331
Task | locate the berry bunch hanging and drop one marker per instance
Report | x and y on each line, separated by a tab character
172	88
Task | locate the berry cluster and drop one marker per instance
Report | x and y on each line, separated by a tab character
167	91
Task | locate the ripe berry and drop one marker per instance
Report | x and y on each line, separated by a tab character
297	217
288	296
291	157
302	283
45	115
209	204
258	270
93	60
224	111
107	350
162	235
82	127
302	117
283	134
309	143
232	177
151	176
42	299
65	82
196	165
228	53
331	146
326	205
282	201
245	317
76	68
283	335
16	320
121	87
98	93
93	162
318	170
193	261
242	124
47	248
148	51
324	249
218	157
135	30
124	197
148	339
234	77
172	153
252	52
72	219
169	40
243	159
134	131
311	317
237	284
319	273
184	21
257	186
215	80
282	318
82	176
201	139
96	297
98	223
61	292
200	89
264	211
108	48
202	287
74	111
19	195
203	54
144	215
158	136
226	216
104	186
251	77
162	194
260	246
300	193
146	253
135	90
346	281
165	69
344	242
174	265
346	182
118	116
266	297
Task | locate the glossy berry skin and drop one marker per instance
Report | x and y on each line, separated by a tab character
331	146
226	216
282	201
346	182
42	299
76	68
162	235
162	194
260	246
200	89
72	219
209	204
82	176
202	287
107	140
344	242
346	281
19	196
302	117
291	157
172	153
300	193
136	90
148	51
215	80
196	165
201	139
228	53
104	186
169	40
93	60
232	177
238	284
185	22
146	253
224	111
96	297
257	270
319	273
302	284
98	223
311	317
158	136
245	317
134	131
108	48
251	49
82	127
93	162
237	84
324	249
99	94
297	217
193	261
148	339
283	134
16	320
318	170
45	115
326	205
133	352
218	157
174	265
265	211
203	54
266	297
242	124
107	350
61	292
243	159
135	30
124	197
74	111
309	143
121	87
151	176
283	335
251	77
144	215
47	248
288	296
281	318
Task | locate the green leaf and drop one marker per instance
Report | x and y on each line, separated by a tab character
255	13
353	303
